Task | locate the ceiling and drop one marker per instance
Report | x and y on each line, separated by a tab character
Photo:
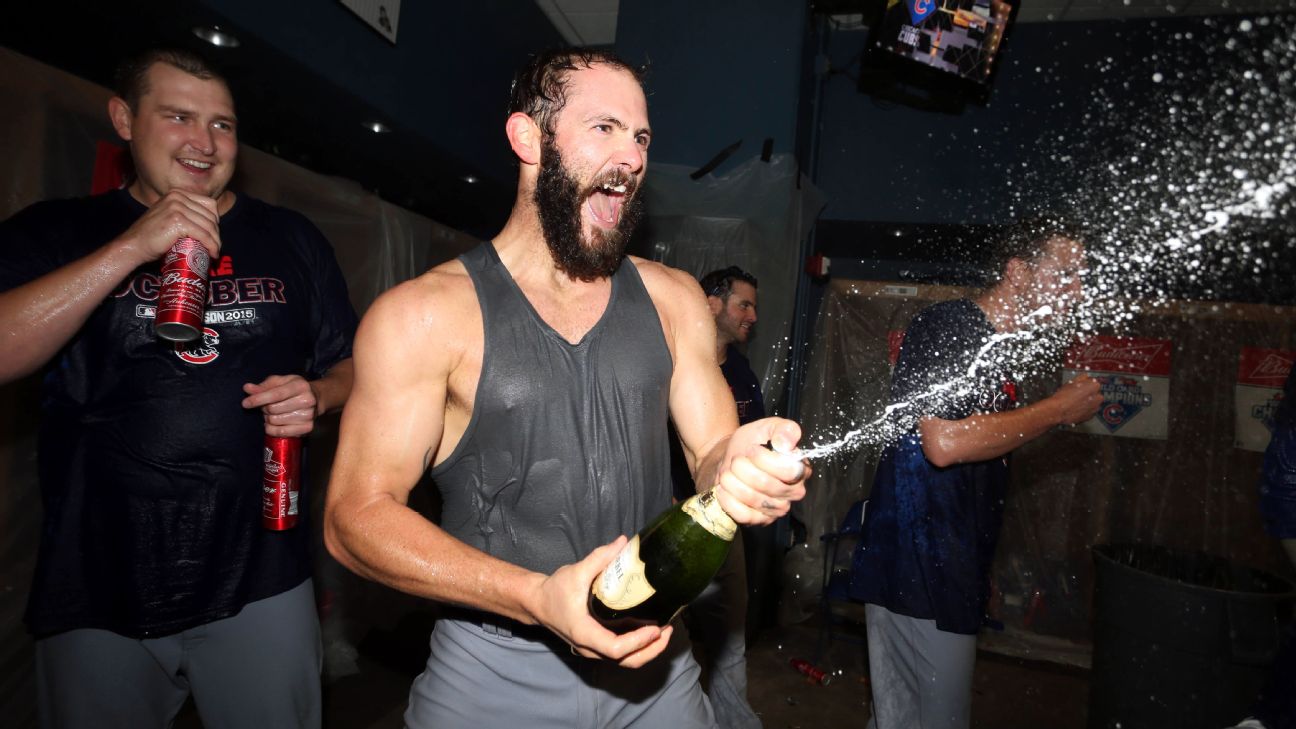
1036	11
306	82
593	22
583	22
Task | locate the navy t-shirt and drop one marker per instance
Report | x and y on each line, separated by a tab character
744	385
1278	475
751	406
929	533
150	467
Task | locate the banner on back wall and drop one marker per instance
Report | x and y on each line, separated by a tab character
895	338
1135	377
1261	374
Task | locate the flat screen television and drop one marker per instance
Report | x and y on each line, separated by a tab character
937	54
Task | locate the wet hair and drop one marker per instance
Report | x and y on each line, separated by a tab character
131	79
1026	241
720	283
539	89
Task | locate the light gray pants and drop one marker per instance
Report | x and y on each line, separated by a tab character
259	668
717	620
921	676
478	678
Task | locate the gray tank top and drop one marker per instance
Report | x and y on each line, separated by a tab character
567	445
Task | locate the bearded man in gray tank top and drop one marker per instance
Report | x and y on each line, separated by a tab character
535	376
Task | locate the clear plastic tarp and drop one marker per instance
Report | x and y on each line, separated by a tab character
49	137
755	217
1193	489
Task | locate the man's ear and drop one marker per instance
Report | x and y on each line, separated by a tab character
1017	273
716	303
119	113
524	137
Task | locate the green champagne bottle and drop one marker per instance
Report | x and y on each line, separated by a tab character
664	567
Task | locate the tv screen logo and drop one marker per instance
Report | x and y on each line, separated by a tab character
921	10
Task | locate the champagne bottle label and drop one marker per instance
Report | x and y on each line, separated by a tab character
624	584
706	511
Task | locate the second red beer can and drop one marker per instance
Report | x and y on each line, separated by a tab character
815	673
183	295
280	482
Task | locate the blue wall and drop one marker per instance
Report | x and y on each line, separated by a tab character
1170	140
725	71
882	161
446	78
1057	115
719	72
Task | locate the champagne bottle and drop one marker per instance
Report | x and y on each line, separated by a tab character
664	567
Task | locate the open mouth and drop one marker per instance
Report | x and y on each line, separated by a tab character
195	165
606	199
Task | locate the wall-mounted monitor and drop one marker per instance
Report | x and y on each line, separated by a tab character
935	54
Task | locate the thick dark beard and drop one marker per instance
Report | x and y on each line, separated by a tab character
558	199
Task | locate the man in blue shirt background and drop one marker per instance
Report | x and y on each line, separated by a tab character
933	516
719	618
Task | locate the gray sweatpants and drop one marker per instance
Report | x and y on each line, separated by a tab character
717	620
478	678
921	676
259	668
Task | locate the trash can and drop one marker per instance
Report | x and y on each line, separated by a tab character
1181	639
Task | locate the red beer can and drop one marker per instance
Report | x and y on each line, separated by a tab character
280	482
183	296
814	673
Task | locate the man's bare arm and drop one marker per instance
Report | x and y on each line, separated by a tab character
757	484
983	437
39	317
391	431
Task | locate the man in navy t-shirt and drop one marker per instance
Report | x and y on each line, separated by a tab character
155	579
718	618
934	512
731	294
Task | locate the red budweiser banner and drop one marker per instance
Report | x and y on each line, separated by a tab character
1264	367
1257	394
110	167
1121	354
1134	373
895	338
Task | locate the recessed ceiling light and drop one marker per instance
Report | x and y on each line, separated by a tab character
377	127
470	179
215	36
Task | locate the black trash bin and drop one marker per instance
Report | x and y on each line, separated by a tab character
1181	640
